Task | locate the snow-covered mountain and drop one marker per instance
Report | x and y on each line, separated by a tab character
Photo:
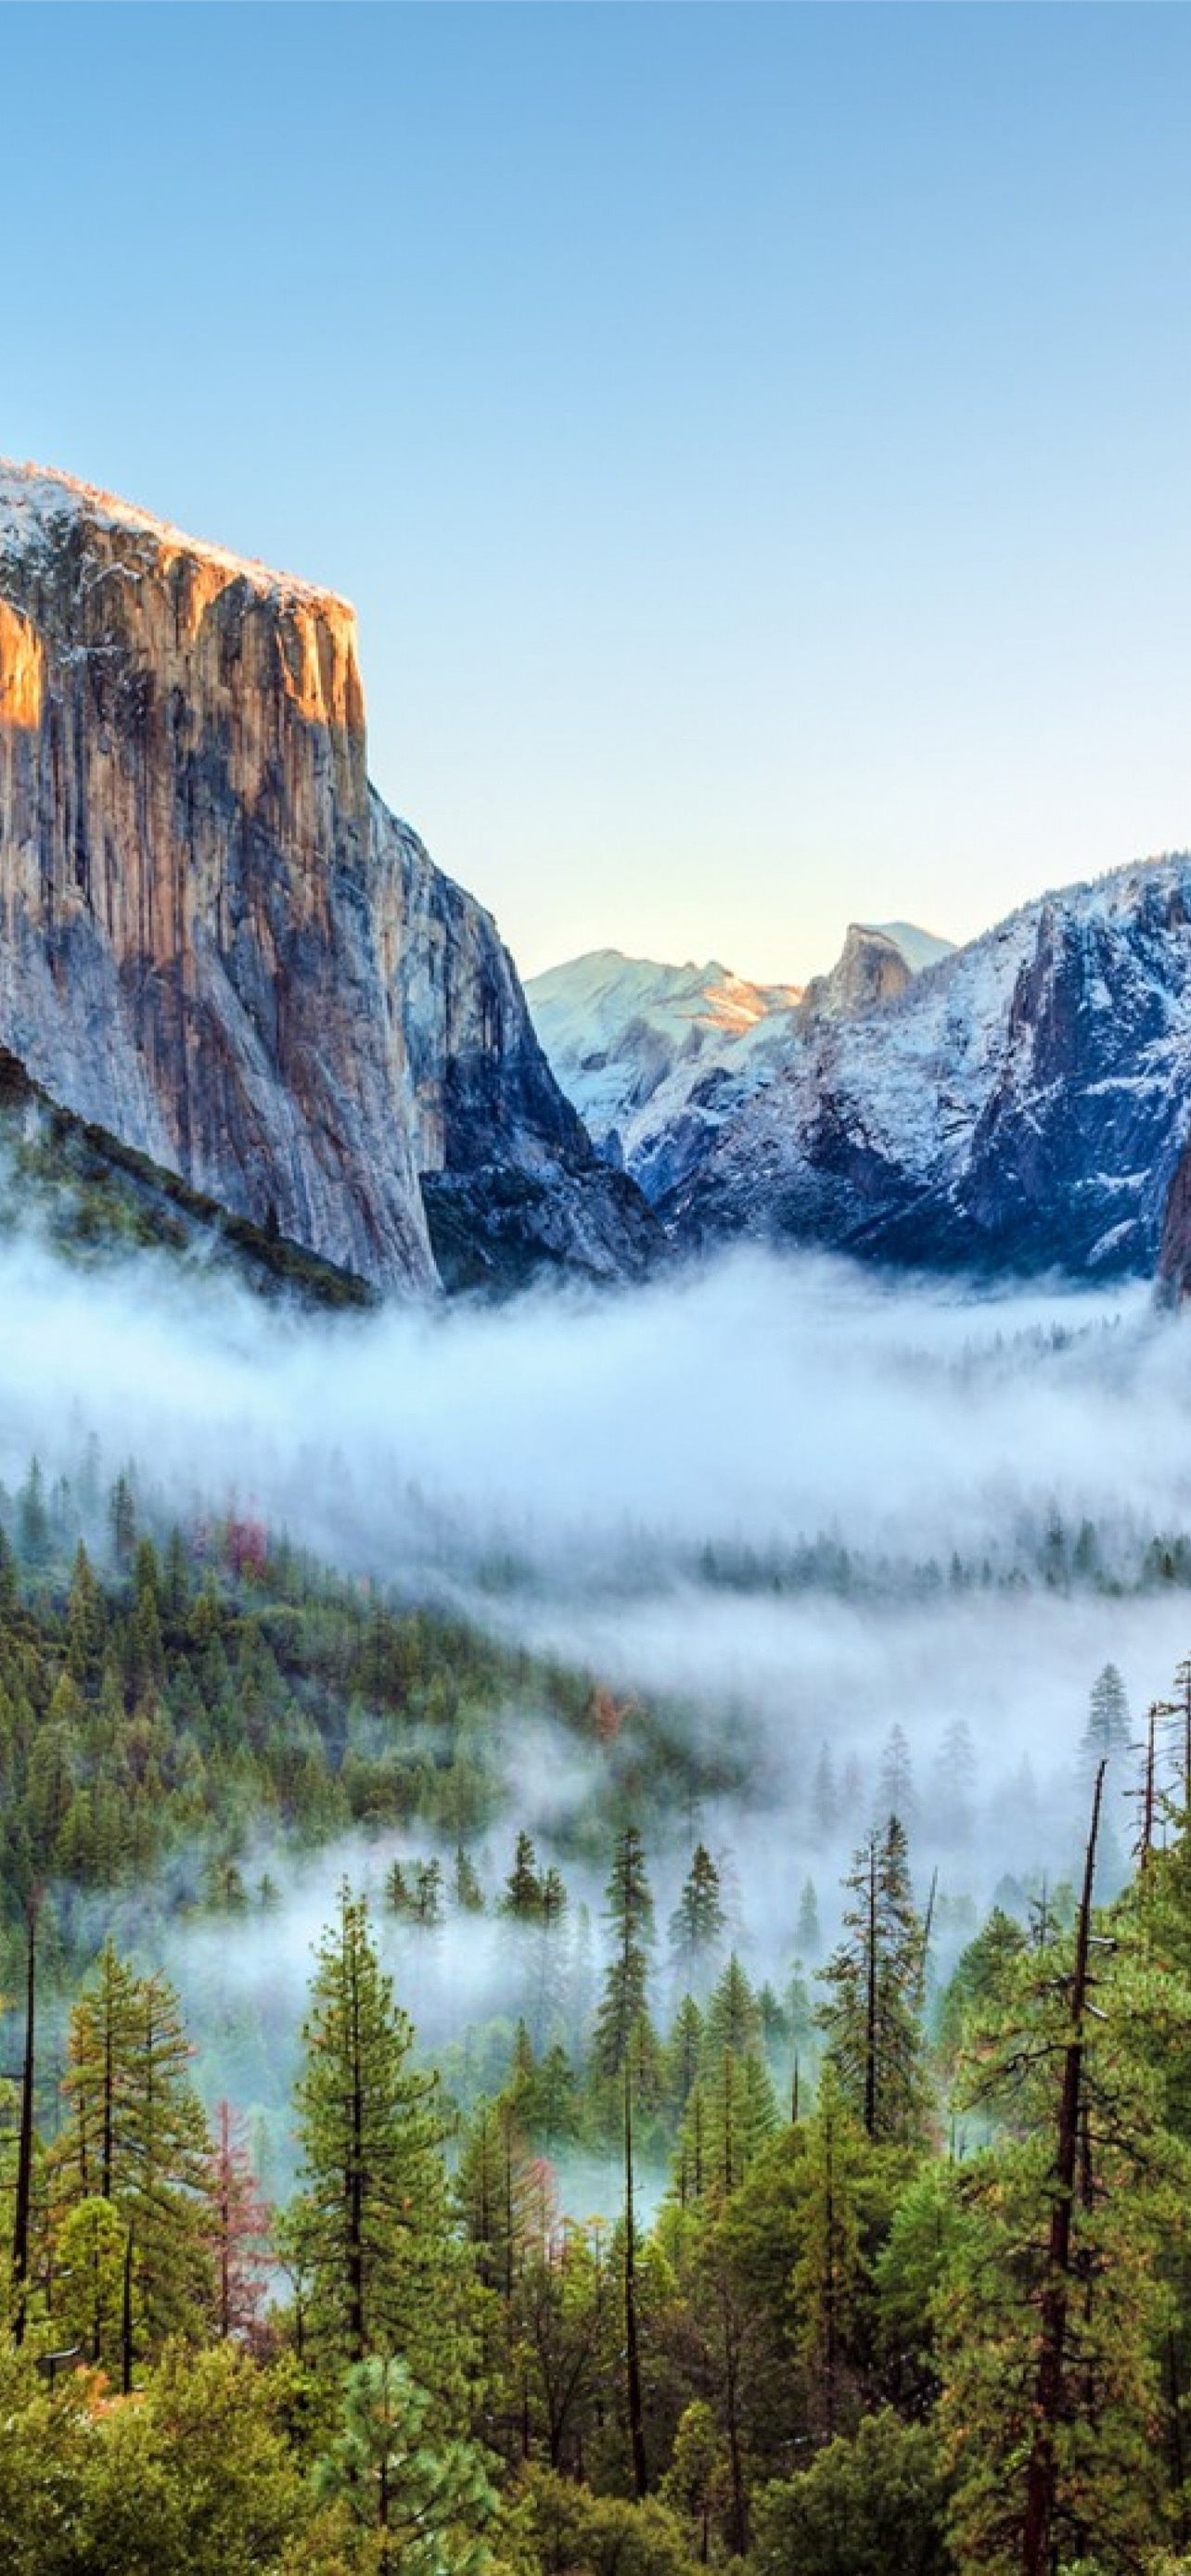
616	1030
630	1041
1022	1102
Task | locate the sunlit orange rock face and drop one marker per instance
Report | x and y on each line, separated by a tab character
217	942
189	941
22	674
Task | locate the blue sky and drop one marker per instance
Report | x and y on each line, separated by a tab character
757	439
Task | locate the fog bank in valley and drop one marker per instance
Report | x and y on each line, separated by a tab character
752	1403
816	1502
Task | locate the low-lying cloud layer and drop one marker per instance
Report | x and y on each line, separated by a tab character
806	1504
628	1480
753	1403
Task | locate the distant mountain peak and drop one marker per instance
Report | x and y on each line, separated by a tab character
1022	1106
631	1040
1018	1103
920	948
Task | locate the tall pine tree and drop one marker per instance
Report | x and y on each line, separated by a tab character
629	1915
373	2210
870	2014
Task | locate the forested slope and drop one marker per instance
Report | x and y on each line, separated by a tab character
889	2264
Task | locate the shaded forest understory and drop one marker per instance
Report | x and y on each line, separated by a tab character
890	2269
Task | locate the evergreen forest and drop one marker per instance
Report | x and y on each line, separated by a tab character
634	2252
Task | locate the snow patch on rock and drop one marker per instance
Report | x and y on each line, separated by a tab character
36	501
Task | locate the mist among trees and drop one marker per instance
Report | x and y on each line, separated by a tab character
568	2215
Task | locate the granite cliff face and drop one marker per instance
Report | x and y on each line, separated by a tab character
870	968
511	1182
209	926
1174	1251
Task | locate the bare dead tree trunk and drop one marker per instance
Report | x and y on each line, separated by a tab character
23	2207
1147	1801
356	2330
1041	2472
126	2320
632	2350
510	2214
383	2512
1178	2462
870	2015
928	1925
108	2146
739	2517
830	2339
1183	1707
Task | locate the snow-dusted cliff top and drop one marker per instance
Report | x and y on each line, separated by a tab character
34	500
589	998
630	1039
919	947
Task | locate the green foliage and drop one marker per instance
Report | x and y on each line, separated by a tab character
870	2013
697	2483
89	2302
423	2502
417	2359
629	1916
373	2208
163	1690
911	2270
563	2315
982	1980
43	2451
197	2477
568	2529
1108	1733
135	2137
1088	2322
867	2504
698	1924
830	2278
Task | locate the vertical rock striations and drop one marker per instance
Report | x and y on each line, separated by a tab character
1174	1251
187	955
208	935
870	970
511	1181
